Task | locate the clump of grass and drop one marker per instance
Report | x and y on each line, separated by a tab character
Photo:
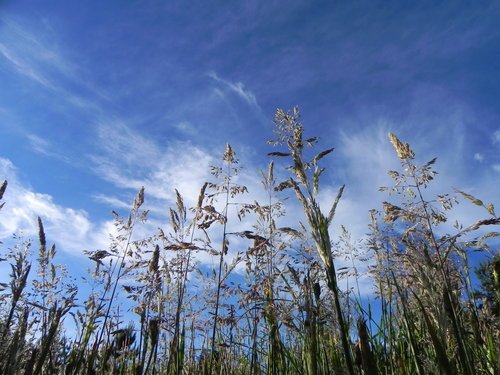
283	312
31	331
423	276
305	183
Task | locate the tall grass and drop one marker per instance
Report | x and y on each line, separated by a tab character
271	303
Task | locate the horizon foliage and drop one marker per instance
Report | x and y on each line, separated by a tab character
272	305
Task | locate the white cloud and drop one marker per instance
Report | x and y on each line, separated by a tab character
185	127
111	201
364	158
44	147
129	160
496	137
367	155
34	54
496	168
479	157
24	67
69	228
37	55
238	88
39	144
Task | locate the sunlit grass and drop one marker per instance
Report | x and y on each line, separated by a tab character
286	314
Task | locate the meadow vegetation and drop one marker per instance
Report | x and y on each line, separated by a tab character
271	304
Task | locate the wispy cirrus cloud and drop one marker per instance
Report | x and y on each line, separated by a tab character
367	156
130	160
44	147
24	67
35	53
496	137
186	128
111	201
493	157
237	88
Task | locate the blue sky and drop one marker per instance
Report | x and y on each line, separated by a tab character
99	98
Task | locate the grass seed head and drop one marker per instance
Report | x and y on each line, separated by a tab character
403	149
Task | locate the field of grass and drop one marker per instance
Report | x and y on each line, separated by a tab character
287	314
